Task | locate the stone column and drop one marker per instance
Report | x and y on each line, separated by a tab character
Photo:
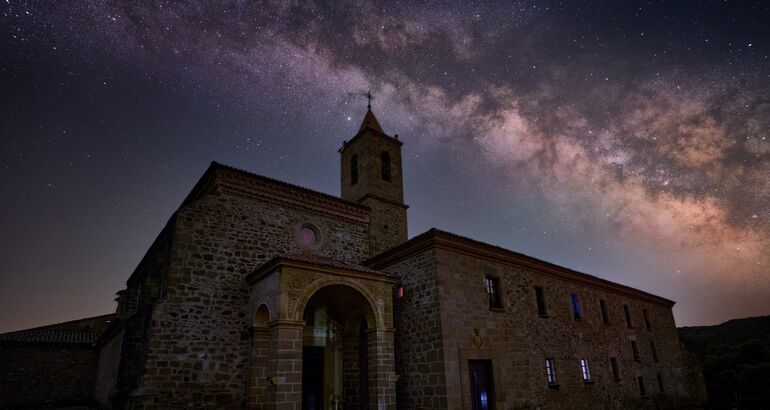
286	364
382	387
259	386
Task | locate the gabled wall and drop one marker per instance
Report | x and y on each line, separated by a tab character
199	334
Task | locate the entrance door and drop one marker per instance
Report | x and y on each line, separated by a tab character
312	378
482	391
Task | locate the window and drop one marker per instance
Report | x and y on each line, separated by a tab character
615	371
354	169
493	292
385	163
603	312
647	324
654	351
540	297
660	383
627	312
635	350
586	370
550	372
575	306
307	236
640	379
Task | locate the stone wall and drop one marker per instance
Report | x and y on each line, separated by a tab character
199	341
40	374
388	224
107	368
518	340
419	350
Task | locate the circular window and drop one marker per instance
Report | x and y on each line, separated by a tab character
307	236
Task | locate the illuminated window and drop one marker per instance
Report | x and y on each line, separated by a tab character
647	323
354	169
540	298
307	236
635	350
575	306
493	291
627	312
550	372
586	370
385	163
615	371
603	312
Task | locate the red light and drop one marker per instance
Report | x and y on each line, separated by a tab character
401	291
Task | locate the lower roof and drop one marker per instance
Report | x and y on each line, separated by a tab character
80	331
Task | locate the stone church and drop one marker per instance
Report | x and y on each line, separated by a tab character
260	294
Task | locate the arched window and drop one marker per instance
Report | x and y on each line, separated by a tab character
353	169
385	160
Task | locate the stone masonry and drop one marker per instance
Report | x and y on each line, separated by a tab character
445	320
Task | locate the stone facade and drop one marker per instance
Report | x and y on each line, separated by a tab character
264	295
448	320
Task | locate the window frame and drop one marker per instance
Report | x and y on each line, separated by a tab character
540	301
635	351
550	372
385	168
585	369
615	368
353	169
492	289
647	322
627	314
603	312
575	303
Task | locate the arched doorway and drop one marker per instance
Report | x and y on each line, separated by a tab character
335	353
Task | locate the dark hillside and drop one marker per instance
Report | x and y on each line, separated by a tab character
735	356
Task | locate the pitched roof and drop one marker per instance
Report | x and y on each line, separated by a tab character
51	336
81	331
370	121
435	238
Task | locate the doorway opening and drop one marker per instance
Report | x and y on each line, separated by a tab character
482	385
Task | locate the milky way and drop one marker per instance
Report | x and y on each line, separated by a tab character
628	141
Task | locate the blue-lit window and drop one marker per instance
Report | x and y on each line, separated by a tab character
575	306
586	370
550	372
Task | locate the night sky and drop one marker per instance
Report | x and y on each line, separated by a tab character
627	141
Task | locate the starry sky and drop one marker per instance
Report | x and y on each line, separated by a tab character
630	141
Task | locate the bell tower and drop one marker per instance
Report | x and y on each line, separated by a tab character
371	175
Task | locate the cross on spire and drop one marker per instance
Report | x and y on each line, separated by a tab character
370	98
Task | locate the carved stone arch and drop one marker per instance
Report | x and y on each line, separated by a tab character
378	319
262	315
